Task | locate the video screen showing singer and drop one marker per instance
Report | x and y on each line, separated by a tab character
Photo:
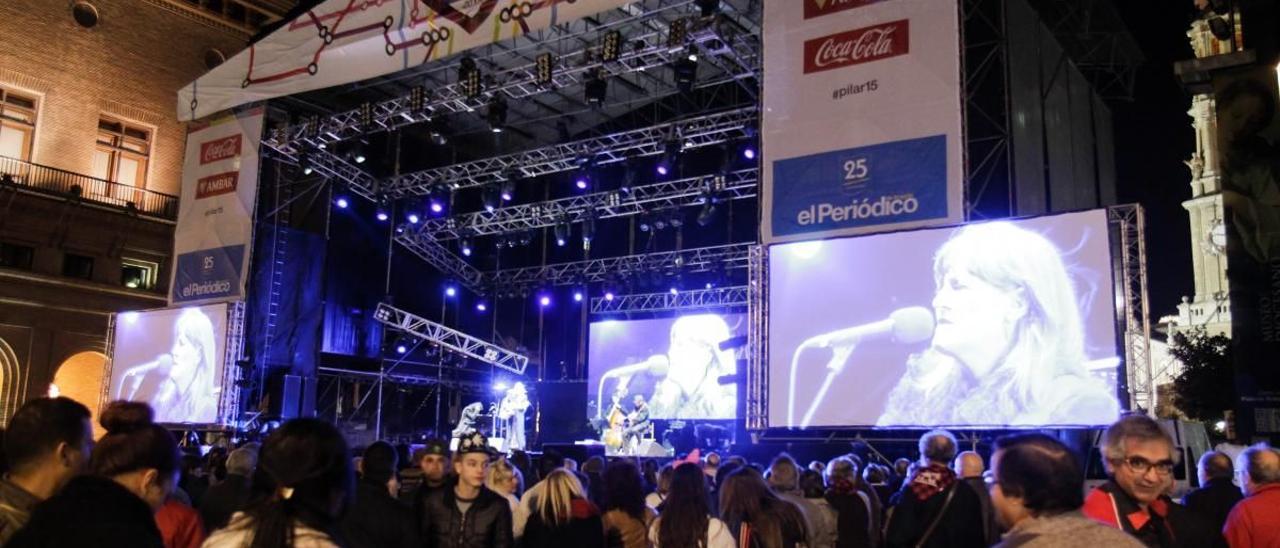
680	381
181	383
1015	312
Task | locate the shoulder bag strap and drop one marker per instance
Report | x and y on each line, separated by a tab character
938	518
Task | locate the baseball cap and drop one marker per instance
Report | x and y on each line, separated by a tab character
473	442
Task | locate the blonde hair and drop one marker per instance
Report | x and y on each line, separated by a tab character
498	474
555	504
194	326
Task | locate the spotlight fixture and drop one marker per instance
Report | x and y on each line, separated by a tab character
469	76
608	295
582	180
497	115
465	246
674	290
562	233
490	198
508	187
341	201
544	300
383	210
304	163
588	229
686	72
357	152
595	89
670	154
450	291
481	306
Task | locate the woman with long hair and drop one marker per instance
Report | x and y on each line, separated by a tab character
504	479
626	517
691	389
564	516
661	487
1008	348
685	519
304	481
757	516
190	392
133	470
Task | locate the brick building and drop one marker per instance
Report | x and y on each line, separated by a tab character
90	164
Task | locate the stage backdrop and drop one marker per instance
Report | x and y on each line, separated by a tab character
343	41
674	363
1025	327
862	117
215	217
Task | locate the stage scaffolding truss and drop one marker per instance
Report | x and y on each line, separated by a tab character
717	298
451	339
611	269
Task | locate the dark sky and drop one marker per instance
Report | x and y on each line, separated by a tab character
1153	137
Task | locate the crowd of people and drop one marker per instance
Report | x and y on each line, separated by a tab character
302	488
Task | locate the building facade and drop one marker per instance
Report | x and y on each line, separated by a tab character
90	164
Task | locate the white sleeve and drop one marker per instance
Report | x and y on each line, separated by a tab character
718	535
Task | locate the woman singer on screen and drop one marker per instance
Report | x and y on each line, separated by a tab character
181	385
1008	348
691	389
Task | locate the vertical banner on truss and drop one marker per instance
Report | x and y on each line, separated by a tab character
215	215
343	41
861	128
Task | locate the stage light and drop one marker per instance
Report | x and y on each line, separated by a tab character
305	164
129	318
595	89
674	290
710	285
341	202
383	210
749	152
481	306
544	300
400	228
465	246
382	216
686	73
508	190
499	387
437	206
438	139
663	168
561	233
490	198
497	115
608	295
413	218
588	229
707	215
577	296
450	291
357	152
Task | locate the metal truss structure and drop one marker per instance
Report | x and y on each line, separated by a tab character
608	269
1093	34
1130	223
659	196
521	82
716	297
451	339
692	133
757	340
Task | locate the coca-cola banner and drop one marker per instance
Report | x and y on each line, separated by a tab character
215	218
343	41
861	129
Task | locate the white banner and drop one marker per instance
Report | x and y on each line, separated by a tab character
212	242
862	128
343	41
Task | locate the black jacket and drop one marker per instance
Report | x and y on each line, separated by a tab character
222	500
585	529
487	522
90	511
853	520
961	526
378	520
1214	501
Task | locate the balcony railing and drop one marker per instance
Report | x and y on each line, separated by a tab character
71	185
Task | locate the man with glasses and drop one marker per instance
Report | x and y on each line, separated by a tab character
1139	457
1255	521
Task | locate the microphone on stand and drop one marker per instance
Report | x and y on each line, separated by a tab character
134	375
905	325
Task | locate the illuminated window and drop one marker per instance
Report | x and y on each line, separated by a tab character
17	124
138	274
122	153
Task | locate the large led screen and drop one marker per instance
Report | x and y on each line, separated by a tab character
171	359
988	325
676	365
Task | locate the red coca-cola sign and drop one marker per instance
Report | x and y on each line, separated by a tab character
213	185
220	149
857	46
818	8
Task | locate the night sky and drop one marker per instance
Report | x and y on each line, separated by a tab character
1153	137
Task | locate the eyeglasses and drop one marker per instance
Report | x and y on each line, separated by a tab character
1140	465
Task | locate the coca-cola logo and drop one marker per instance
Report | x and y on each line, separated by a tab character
220	149
857	46
818	8
213	185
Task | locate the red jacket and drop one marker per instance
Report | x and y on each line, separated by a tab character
179	525
1255	521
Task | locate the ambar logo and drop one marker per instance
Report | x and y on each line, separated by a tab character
857	46
818	8
213	185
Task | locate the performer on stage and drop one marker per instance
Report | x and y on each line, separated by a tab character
467	422
512	409
639	423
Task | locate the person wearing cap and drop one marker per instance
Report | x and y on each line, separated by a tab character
377	519
467	514
432	473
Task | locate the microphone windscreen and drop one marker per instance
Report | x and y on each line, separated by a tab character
912	324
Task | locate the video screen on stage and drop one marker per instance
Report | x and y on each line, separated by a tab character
171	359
987	325
675	365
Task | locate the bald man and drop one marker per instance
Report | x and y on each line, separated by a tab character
1255	521
969	467
1216	494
